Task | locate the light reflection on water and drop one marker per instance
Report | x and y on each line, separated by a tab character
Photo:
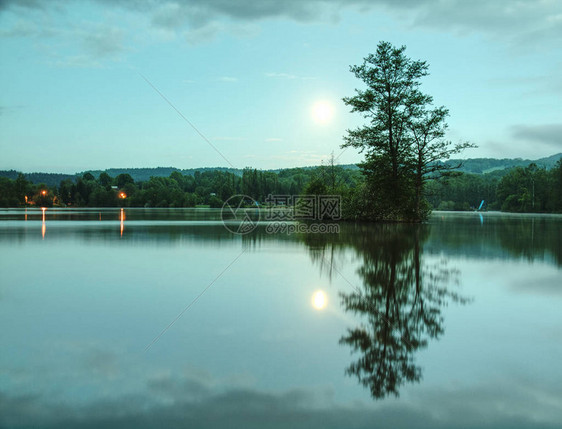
80	302
43	223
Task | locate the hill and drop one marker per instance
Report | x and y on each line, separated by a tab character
489	165
471	165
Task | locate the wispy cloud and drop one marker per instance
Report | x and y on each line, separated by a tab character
300	157
21	4
290	76
173	400
547	134
78	61
522	23
9	109
545	84
203	34
227	79
273	139
86	44
546	283
20	28
103	41
229	139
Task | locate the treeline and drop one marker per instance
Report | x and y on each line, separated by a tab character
138	174
469	165
521	189
529	189
48	179
208	188
496	165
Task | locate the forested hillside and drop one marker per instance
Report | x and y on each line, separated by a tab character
470	165
528	188
488	165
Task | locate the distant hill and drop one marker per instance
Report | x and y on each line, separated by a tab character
144	174
138	174
49	179
470	165
489	165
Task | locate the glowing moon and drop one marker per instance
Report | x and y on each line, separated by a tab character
319	300
322	112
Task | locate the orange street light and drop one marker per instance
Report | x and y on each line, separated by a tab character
43	192
122	195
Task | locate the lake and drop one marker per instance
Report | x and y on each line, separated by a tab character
165	318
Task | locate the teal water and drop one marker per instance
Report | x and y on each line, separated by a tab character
164	318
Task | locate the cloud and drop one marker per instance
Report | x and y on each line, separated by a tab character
281	75
547	134
273	139
521	23
543	283
514	18
287	76
178	388
182	401
100	362
228	79
173	16
199	12
85	44
23	4
103	41
546	84
527	141
203	34
530	17
229	138
299	157
9	109
79	61
20	28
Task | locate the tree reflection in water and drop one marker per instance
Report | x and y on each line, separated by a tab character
399	301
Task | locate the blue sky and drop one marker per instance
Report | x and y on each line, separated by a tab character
246	74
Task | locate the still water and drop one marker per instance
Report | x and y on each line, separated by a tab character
164	318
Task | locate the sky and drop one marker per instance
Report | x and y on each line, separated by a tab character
102	84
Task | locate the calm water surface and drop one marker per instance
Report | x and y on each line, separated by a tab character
163	318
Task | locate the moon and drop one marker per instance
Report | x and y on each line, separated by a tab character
322	112
319	300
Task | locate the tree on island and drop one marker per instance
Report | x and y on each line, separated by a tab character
404	141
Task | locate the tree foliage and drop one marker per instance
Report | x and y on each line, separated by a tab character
404	138
520	189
